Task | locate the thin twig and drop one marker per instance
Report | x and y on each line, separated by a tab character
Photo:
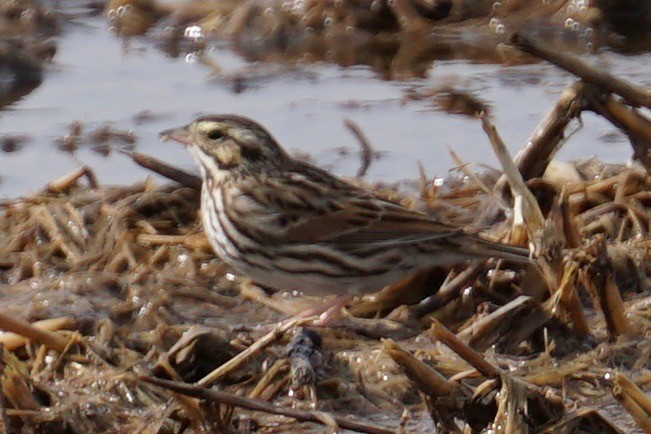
519	319
266	407
439	332
634	400
367	149
23	328
164	169
280	367
192	241
423	185
548	137
61	184
473	176
636	95
449	290
255	348
427	379
632	123
597	278
533	214
13	341
570	301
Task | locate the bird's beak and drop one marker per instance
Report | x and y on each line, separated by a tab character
181	135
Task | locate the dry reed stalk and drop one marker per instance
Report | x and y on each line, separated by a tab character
255	348
279	367
450	289
460	165
570	229
263	406
615	310
42	215
163	363
427	379
165	170
569	299
366	154
573	421
556	376
13	341
548	137
192	241
14	386
376	327
438	332
532	214
33	333
634	400
511	405
274	389
250	291
636	95
65	182
635	125
508	319
597	278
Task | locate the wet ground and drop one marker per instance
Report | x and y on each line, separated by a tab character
137	86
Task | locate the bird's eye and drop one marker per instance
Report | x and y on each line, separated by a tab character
214	134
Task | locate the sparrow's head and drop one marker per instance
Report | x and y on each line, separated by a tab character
228	143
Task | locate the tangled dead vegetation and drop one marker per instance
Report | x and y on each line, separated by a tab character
127	272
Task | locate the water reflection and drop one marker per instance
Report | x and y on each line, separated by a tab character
398	39
21	68
12	143
25	48
99	85
102	140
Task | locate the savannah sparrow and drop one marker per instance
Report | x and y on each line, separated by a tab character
291	226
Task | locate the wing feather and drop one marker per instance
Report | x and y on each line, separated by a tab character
310	206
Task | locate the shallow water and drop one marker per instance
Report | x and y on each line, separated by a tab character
97	79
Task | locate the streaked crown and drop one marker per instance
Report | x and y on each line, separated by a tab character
229	143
